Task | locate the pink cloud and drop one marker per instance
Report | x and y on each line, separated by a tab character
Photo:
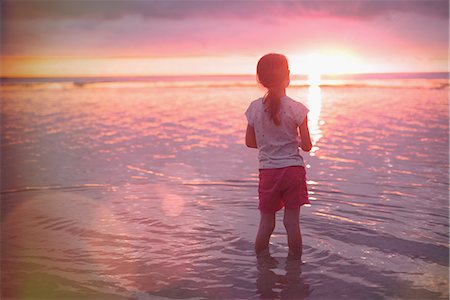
382	29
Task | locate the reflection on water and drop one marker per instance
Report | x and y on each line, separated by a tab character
274	282
314	121
144	192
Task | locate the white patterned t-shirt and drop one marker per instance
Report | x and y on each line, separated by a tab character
277	145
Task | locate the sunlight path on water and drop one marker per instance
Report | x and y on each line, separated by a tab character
314	120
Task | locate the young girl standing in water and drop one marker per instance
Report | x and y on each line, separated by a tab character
274	124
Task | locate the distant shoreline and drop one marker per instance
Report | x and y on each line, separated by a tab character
169	78
428	80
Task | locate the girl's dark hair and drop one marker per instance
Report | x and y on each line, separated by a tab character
273	74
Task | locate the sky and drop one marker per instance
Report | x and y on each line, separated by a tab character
183	37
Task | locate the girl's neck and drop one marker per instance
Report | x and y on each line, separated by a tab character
279	92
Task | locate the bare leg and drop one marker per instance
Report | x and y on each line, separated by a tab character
292	225
266	227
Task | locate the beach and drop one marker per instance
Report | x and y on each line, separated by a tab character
131	190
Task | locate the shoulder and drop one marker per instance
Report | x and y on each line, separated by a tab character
252	110
255	104
298	109
296	104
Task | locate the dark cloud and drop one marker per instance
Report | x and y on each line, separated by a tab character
176	9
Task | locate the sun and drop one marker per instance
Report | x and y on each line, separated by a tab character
314	69
316	64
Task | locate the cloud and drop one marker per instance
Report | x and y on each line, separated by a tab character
212	28
168	9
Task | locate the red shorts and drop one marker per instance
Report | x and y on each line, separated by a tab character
283	187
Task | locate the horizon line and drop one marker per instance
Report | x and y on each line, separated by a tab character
210	75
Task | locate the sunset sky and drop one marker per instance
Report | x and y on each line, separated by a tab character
105	38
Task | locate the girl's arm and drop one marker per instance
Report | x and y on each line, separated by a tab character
250	137
305	138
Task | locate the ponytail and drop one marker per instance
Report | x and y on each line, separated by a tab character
272	101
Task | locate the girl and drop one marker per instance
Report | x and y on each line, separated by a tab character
274	123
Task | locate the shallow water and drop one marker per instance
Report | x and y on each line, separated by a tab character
147	192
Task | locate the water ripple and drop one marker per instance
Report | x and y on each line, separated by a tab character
148	194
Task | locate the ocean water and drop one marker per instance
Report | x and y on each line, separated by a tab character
137	190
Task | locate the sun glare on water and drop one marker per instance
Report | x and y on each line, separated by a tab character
314	65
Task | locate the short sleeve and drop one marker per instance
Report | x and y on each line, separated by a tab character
300	112
250	115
